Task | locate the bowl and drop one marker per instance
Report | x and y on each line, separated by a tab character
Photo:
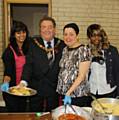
61	110
111	111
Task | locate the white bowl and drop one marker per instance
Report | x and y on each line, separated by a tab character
60	110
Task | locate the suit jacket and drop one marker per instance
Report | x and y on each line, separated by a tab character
37	71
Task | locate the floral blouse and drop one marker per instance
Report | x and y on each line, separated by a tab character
69	70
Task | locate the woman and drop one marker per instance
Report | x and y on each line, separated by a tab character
104	71
14	59
74	66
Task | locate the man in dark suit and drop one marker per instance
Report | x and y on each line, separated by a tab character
42	66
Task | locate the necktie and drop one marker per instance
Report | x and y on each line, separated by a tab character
49	45
50	53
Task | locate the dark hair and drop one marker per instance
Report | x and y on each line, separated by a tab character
92	28
98	28
47	18
104	43
17	27
72	25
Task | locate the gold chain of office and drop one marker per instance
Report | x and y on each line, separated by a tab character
47	49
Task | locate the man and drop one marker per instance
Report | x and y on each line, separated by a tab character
42	66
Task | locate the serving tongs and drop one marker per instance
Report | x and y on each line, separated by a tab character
65	107
73	109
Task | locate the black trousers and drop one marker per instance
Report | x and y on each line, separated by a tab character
109	95
39	103
84	101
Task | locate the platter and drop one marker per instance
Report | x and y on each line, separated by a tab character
21	91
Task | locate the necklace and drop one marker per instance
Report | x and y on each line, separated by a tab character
47	49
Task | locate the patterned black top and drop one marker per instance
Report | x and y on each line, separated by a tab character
69	70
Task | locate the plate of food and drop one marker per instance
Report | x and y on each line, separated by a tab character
70	116
62	113
21	91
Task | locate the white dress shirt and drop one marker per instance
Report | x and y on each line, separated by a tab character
52	43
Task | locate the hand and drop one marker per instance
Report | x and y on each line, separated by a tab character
67	100
22	84
4	87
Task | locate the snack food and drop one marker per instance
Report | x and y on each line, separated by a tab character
113	107
70	116
20	91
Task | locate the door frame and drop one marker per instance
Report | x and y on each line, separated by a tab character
7	17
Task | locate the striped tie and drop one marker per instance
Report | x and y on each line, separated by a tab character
50	53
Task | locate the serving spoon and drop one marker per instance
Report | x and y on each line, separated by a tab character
105	110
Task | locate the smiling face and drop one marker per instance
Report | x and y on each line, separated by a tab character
70	37
47	30
95	38
20	36
94	33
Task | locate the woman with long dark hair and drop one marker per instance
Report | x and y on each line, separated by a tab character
104	70
14	59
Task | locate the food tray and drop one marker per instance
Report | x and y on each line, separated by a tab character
25	91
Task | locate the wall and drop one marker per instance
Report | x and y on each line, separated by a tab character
1	38
86	12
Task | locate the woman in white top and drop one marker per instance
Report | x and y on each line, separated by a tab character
104	70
